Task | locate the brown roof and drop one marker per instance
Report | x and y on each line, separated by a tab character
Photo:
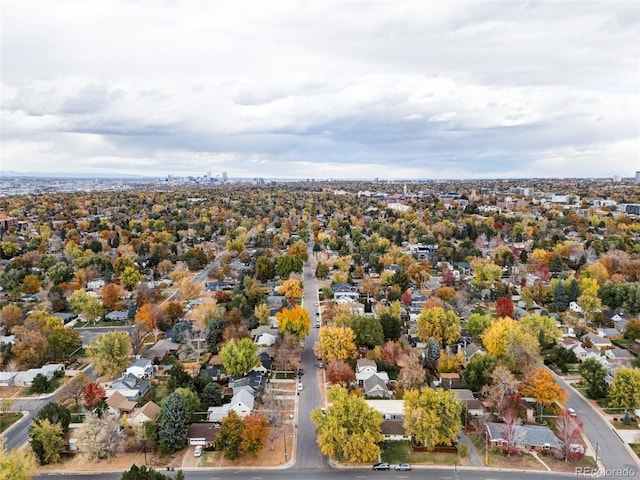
149	410
392	427
207	430
119	402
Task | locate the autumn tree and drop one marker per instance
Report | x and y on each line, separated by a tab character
239	356
265	269
11	316
254	433
31	284
544	328
435	322
189	290
432	417
109	353
171	312
340	373
294	321
111	293
510	430
46	440
73	387
130	277
349	429
291	288
288	264
569	432
231	435
512	344
502	385
148	316
504	307
17	464
31	346
539	384
92	394
336	343
632	329
624	391
261	312
100	437
412	373
82	303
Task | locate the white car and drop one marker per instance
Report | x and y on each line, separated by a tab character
198	451
300	386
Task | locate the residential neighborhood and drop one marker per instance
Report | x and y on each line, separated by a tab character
456	330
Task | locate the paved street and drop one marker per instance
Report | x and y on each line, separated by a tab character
611	450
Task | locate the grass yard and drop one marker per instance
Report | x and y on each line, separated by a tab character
8	419
400	452
636	448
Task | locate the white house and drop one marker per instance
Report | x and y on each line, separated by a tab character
95	284
140	368
366	368
148	413
265	339
25	378
7	379
242	403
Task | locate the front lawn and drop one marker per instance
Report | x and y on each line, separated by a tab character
401	452
8	419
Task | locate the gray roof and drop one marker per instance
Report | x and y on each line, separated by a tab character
534	435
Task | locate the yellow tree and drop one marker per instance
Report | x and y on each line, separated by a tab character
589	300
539	384
291	288
442	325
148	316
494	337
261	312
299	250
189	290
349	429
294	321
336	343
204	313
17	464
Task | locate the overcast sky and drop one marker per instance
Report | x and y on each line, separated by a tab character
321	89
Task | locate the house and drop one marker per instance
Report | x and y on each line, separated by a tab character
25	378
265	364
619	356
417	301
608	332
574	307
526	437
266	339
131	387
7	379
148	413
95	284
344	290
374	386
119	404
393	430
473	406
242	403
160	349
7	339
203	433
255	380
389	409
470	350
117	316
597	341
574	345
140	368
212	371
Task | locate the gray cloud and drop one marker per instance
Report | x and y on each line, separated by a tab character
322	89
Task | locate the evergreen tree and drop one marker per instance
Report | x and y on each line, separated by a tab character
172	431
560	299
573	291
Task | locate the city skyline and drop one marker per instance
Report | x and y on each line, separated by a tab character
294	90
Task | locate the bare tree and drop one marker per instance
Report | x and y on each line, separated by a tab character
137	335
100	438
504	383
510	430
287	352
73	388
412	374
272	408
569	432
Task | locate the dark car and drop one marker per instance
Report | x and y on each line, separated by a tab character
381	466
300	372
403	466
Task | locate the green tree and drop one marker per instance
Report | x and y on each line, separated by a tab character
322	270
544	328
478	371
477	324
179	378
239	356
46	441
595	375
288	264
144	473
109	353
443	325
174	422
391	327
82	303
368	331
191	398
230	437
349	429
432	417
59	273
40	384
265	269
211	395
624	391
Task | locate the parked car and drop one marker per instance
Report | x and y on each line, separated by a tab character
381	466
198	451
300	386
571	412
320	365
300	372
403	467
